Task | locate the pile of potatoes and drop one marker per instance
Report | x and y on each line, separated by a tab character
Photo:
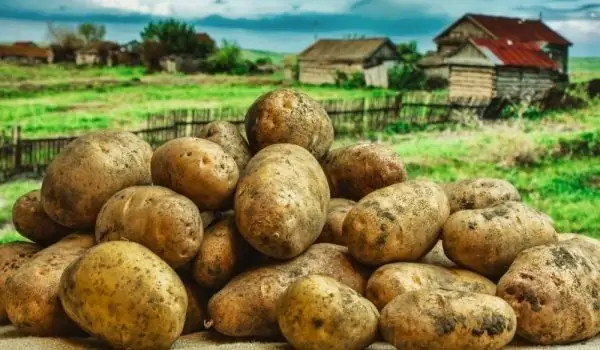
275	235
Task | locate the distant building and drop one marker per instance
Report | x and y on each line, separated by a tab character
98	53
26	54
205	38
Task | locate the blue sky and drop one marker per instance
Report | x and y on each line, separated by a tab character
291	25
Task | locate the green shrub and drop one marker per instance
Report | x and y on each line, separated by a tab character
261	61
354	80
406	77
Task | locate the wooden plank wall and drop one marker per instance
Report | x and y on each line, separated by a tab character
313	72
514	82
476	82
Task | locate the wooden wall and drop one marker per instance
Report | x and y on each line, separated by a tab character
471	81
515	82
560	55
437	71
314	72
460	33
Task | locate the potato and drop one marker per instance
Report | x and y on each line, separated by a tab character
31	292
196	315
207	218
12	256
198	169
221	255
356	170
228	136
32	222
488	240
246	306
555	291
318	312
123	293
162	220
442	319
289	116
88	171
436	256
336	213
391	280
479	193
401	222
281	201
566	236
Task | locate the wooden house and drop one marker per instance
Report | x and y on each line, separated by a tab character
98	53
321	62
26	54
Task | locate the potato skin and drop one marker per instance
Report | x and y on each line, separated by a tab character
318	312
88	171
130	310
198	169
443	319
162	220
196	314
246	306
228	136
479	193
281	201
488	240
436	256
401	222
336	213
555	291
12	256
32	222
31	292
391	280
289	116
356	170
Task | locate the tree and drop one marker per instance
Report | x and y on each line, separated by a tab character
228	59
91	32
64	40
409	52
176	37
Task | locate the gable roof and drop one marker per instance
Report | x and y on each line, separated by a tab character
515	29
344	50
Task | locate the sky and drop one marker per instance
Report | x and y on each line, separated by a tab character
292	25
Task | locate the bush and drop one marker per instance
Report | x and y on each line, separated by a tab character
353	81
228	59
264	61
406	77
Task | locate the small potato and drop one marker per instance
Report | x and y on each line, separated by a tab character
442	319
555	291
391	280
401	222
162	220
198	169
318	312
221	254
126	295
355	171
488	240
336	213
479	193
289	116
436	256
228	136
88	171
32	222
31	292
12	256
196	314
281	201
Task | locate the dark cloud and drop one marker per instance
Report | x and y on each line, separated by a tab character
582	11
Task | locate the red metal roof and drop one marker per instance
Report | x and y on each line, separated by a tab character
517	54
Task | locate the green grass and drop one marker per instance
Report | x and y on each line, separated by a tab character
253	55
10	73
584	68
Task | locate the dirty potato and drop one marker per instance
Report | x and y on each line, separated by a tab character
130	310
436	256
281	201
228	136
488	240
162	220
401	222
479	193
336	213
442	319
198	169
289	116
391	280
318	312
88	171
356	170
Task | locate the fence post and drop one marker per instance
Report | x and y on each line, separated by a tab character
397	107
16	139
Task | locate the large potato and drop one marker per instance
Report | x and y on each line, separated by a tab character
12	256
401	222
162	220
336	213
228	136
32	222
488	240
479	193
281	201
31	292
356	170
442	319
126	295
246	306
436	256
289	116
555	291
88	171
318	312
391	280
198	169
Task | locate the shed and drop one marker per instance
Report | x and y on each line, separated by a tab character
321	62
26	54
488	68
98	53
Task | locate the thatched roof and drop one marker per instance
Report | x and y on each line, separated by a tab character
344	50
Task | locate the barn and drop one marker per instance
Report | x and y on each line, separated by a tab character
321	62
